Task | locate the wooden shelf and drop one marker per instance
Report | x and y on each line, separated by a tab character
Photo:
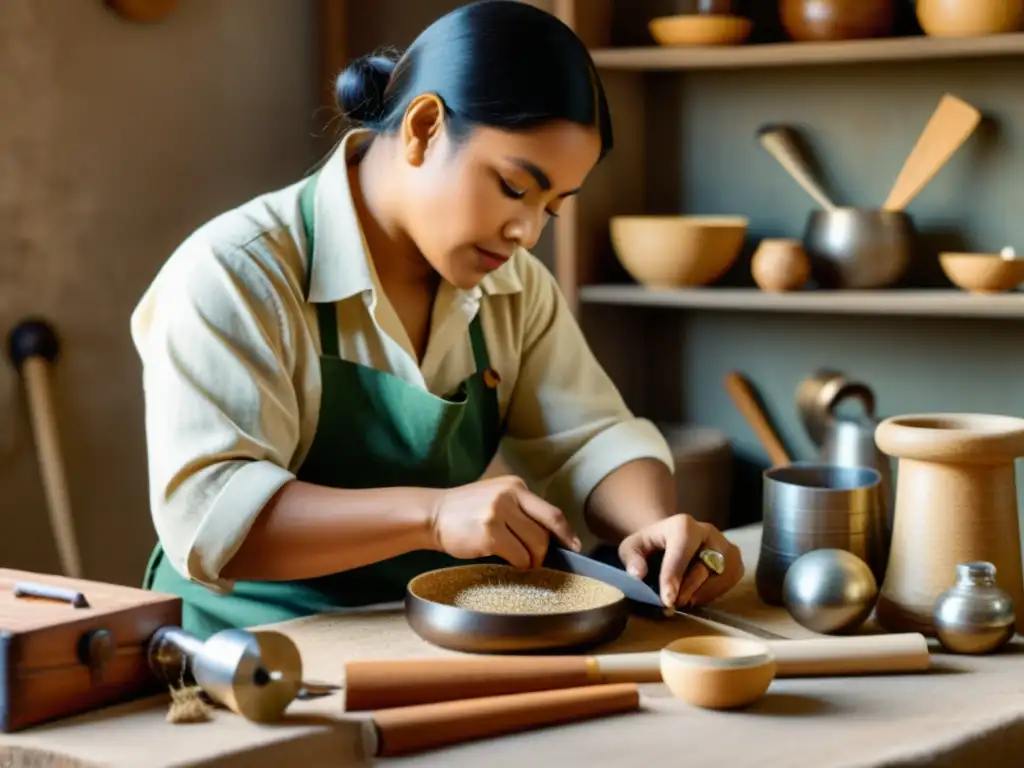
895	302
918	48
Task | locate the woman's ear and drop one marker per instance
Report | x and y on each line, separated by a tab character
422	126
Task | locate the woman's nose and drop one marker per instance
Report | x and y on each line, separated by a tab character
524	231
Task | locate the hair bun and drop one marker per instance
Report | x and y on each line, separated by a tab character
359	90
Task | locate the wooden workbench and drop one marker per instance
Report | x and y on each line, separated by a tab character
966	711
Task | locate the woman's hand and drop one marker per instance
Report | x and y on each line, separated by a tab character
684	580
498	516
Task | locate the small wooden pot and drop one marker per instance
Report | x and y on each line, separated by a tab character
780	265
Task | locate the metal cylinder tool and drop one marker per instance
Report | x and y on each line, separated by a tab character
254	674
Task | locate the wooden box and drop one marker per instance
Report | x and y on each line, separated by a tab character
57	659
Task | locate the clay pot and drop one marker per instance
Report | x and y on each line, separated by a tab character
780	265
956	502
967	18
818	20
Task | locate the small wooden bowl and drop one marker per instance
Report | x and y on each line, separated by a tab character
699	29
940	18
982	272
717	672
677	251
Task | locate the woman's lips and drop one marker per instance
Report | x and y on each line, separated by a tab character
490	259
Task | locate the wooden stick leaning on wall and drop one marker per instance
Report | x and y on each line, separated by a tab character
33	347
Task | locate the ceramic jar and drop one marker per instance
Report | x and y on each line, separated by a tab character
807	20
974	615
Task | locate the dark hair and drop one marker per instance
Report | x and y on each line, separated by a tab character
499	63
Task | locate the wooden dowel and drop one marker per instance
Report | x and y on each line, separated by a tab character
33	348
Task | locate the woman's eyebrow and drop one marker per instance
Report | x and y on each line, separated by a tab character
542	179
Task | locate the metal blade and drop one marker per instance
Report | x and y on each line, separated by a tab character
728	620
633	588
639	591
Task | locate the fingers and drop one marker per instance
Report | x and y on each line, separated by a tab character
694	579
634	551
549	516
718	585
508	546
532	534
683	538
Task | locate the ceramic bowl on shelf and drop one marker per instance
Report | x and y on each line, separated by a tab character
717	672
982	272
969	18
823	20
677	251
700	29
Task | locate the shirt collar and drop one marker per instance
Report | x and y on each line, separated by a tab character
342	266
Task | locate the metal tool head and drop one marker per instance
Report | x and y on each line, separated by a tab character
256	674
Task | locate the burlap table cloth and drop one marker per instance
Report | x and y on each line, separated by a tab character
966	711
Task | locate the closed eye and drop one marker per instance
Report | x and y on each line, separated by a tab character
511	191
516	194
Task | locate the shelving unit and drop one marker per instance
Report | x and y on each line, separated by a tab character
685	123
655	59
895	303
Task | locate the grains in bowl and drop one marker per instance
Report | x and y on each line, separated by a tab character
501	589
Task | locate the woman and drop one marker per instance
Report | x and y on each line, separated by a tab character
330	368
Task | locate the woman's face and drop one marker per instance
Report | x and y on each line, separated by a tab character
469	205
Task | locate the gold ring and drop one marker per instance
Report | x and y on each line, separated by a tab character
713	559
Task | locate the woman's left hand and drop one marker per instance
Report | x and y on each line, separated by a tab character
684	579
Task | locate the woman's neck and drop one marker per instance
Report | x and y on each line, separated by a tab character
376	196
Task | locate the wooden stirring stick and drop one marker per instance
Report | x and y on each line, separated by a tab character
948	128
742	395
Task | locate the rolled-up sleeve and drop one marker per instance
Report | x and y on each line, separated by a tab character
567	424
221	412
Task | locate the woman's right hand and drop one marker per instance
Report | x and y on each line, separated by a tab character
498	516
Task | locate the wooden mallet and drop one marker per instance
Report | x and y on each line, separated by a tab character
33	347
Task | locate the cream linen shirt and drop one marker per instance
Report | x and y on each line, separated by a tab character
229	346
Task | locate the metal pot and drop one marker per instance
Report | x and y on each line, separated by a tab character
859	247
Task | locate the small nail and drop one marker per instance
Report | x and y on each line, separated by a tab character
577	545
634	571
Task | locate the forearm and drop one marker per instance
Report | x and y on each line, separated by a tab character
635	495
308	530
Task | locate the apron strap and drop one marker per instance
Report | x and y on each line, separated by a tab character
476	336
326	314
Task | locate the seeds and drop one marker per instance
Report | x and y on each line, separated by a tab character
502	589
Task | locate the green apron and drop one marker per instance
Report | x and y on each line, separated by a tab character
374	431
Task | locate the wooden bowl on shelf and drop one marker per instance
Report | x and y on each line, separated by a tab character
982	272
677	251
969	18
699	29
823	20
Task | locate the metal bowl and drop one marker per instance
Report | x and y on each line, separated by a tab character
859	247
471	631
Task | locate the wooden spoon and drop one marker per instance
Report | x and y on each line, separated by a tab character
948	128
778	140
742	395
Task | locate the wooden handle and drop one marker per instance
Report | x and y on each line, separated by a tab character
742	395
378	684
387	683
781	147
856	655
403	730
811	657
949	126
33	348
